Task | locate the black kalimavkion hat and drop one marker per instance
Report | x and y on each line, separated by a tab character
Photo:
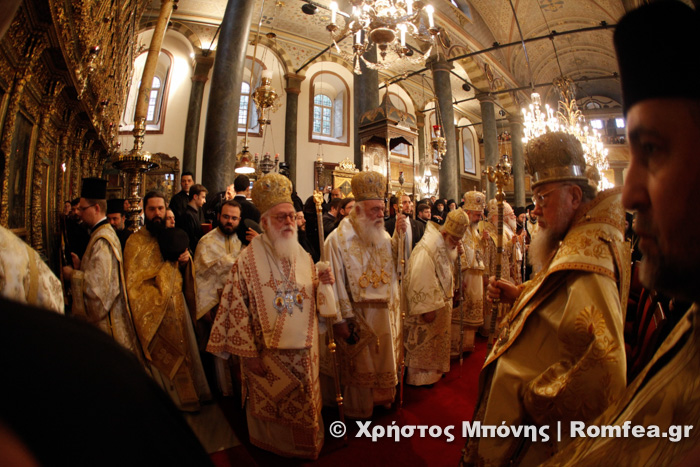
658	52
94	188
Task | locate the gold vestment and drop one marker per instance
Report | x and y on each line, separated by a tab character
560	353
163	324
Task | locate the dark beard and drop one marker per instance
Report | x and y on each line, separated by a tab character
155	226
227	230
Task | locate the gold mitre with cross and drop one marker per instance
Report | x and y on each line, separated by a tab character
555	157
271	190
456	223
368	185
474	201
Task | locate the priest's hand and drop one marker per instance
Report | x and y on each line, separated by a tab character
400	223
76	261
341	330
184	258
505	291
255	365
67	272
326	277
250	234
428	317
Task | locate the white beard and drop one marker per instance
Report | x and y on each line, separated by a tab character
284	245
510	222
541	249
370	233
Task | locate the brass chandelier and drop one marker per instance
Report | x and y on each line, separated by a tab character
386	23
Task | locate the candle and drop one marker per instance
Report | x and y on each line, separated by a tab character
402	28
358	37
334	10
430	10
409	7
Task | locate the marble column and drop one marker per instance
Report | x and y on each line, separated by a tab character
488	121
449	170
516	142
420	150
293	89
366	97
202	65
221	131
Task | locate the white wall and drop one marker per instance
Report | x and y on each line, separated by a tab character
171	141
307	151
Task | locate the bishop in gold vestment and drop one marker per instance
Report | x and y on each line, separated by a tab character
367	293
469	313
268	317
161	317
657	419
560	353
429	289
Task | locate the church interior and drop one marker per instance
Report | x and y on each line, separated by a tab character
298	84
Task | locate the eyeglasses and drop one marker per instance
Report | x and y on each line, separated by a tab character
538	199
292	216
81	208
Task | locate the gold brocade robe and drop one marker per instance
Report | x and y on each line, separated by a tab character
213	260
367	294
164	326
429	287
560	354
664	395
283	408
24	277
99	292
472	308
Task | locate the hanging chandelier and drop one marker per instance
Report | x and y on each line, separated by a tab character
385	23
568	119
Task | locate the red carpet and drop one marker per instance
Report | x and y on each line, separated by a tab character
449	402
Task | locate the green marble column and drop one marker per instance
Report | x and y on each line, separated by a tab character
221	132
293	89
449	170
366	97
202	66
488	120
516	141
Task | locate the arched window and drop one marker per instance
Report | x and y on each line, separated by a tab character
468	151
329	109
153	101
246	107
157	98
323	115
243	107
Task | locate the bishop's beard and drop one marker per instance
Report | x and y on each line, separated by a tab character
370	232
548	238
284	240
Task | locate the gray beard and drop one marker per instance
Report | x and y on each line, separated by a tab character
369	233
284	247
542	247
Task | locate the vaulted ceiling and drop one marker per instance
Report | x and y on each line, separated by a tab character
572	38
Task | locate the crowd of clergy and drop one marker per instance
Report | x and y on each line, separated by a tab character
341	300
